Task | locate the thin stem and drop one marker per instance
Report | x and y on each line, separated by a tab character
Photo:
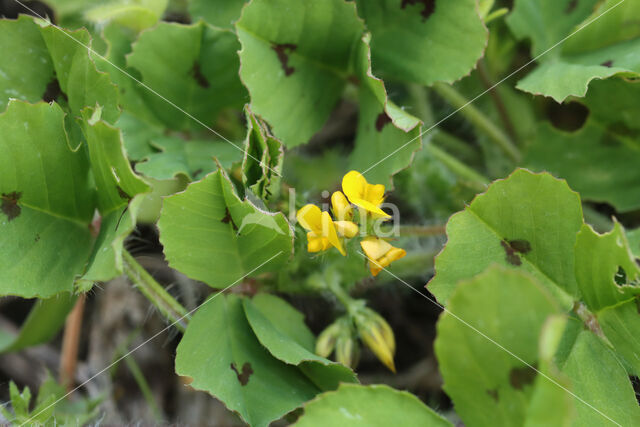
422	230
483	72
420	97
155	293
453	144
478	119
70	342
138	376
469	177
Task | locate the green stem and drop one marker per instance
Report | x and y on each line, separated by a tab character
155	293
478	119
420	97
138	376
468	176
453	144
422	230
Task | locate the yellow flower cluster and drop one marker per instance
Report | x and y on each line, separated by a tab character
323	231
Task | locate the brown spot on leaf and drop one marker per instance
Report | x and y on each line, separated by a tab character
493	393
520	377
243	376
607	64
428	7
196	73
228	219
520	245
283	50
10	205
512	257
53	91
382	120
123	194
571	6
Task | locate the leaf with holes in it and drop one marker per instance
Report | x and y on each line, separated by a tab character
263	159
487	343
373	405
527	221
609	281
76	73
209	234
28	76
281	330
221	14
193	158
424	41
223	357
294	77
606	43
387	137
596	161
203	64
47	203
118	188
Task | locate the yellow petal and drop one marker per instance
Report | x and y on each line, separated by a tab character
346	228
374	268
354	185
314	243
341	208
370	207
395	254
309	217
375	248
329	231
374	194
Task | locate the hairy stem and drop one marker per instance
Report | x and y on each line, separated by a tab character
155	293
469	177
70	342
478	119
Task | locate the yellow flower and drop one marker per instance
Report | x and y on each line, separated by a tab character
341	207
380	253
364	195
321	229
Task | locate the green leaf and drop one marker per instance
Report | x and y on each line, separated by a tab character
217	13
634	241
47	203
607	46
386	133
294	77
374	405
281	330
424	41
546	22
527	221
600	380
29	72
496	310
224	358
137	15
192	158
209	234
599	164
203	64
77	75
45	319
117	187
263	159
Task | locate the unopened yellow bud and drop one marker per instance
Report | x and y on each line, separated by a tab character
326	341
341	207
347	350
347	229
376	333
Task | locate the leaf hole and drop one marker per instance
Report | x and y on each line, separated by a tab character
568	117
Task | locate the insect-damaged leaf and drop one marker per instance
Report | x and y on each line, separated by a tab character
526	221
222	355
209	234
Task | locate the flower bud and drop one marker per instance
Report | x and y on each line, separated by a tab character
341	207
376	333
326	341
347	350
